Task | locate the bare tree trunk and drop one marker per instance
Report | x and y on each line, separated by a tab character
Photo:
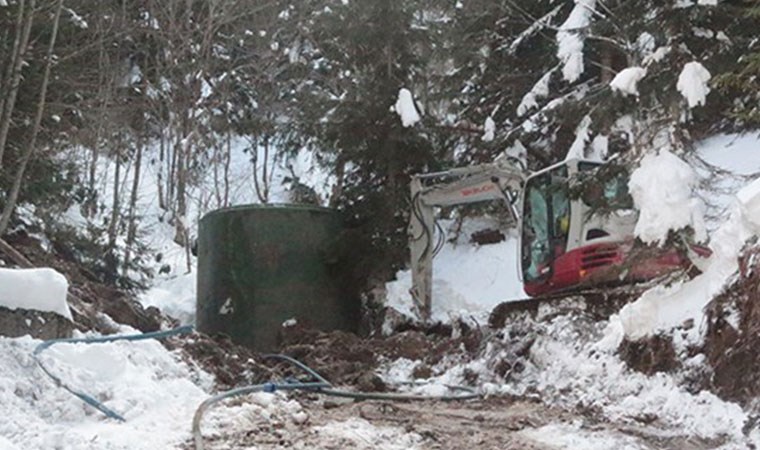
160	175
337	190
104	96
227	161
14	69
132	216
10	204
261	175
113	228
215	162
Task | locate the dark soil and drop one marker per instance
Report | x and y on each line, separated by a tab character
650	355
733	352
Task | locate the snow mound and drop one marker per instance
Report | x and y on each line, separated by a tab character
155	391
692	83
34	289
662	188
468	281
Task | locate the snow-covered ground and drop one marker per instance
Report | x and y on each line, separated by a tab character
572	363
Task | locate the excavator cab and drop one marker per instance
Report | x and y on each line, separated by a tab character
564	239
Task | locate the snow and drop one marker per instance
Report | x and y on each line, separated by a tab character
406	108
626	80
574	436
663	308
662	188
570	39
538	91
468	281
363	435
578	148
152	388
657	56
489	129
692	83
34	289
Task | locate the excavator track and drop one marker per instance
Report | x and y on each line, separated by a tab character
599	301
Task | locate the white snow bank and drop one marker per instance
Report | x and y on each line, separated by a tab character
468	280
174	296
662	188
736	153
626	81
406	108
36	289
154	390
692	83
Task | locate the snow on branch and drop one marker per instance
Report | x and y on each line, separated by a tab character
626	81
570	39
531	30
406	109
663	191
692	83
539	90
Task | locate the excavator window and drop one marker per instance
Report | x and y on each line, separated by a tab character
604	188
546	222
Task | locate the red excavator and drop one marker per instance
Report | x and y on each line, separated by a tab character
565	244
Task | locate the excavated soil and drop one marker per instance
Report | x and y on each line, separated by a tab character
495	423
733	334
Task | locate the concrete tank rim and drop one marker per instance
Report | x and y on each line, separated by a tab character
273	207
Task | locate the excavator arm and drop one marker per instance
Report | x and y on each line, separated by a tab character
499	180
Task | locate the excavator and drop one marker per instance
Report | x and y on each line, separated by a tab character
564	243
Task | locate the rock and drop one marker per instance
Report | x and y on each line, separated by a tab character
37	324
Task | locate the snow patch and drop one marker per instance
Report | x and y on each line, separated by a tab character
34	289
468	281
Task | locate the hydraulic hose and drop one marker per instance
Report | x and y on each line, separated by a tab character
321	386
90	400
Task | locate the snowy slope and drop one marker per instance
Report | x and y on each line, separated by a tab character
572	362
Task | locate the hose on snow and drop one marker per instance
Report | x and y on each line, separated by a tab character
90	400
321	386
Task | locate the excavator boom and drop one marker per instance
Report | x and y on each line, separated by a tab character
500	180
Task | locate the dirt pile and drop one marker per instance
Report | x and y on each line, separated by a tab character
733	333
94	305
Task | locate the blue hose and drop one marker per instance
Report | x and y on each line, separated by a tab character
90	400
321	386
